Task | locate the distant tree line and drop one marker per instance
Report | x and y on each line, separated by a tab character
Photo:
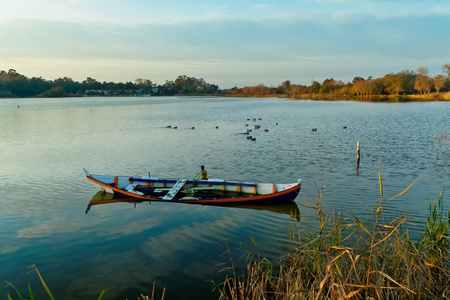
13	84
404	83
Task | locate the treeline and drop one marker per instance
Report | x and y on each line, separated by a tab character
13	84
404	83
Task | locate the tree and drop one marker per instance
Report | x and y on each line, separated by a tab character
211	88
168	88
128	88
423	71
54	92
393	84
261	90
18	85
423	83
144	84
378	86
315	87
402	82
297	90
38	85
68	84
446	69
12	73
3	75
360	87
327	86
284	87
407	79
356	79
91	84
439	83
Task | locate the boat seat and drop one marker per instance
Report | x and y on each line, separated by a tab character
175	189
131	186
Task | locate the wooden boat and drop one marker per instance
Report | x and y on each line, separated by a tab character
285	207
198	191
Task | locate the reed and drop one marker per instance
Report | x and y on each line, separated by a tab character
348	258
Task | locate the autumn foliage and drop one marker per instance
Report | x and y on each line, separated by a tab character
405	83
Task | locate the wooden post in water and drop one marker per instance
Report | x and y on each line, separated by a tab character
357	158
357	150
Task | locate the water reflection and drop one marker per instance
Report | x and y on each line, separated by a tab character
290	208
163	242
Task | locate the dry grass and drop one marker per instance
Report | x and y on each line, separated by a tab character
153	297
445	96
348	259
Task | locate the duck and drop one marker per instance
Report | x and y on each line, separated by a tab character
169	126
314	129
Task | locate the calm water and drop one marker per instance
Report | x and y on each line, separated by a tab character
45	143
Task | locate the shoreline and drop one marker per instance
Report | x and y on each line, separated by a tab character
314	97
370	98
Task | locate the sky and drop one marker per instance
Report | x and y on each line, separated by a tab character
226	42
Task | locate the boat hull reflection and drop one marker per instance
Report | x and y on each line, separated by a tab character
290	208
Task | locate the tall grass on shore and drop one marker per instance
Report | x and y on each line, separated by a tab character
348	259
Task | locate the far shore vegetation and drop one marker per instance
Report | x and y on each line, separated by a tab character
406	85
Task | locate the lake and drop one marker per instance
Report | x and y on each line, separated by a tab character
125	247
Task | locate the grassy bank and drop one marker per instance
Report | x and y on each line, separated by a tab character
349	259
352	97
374	98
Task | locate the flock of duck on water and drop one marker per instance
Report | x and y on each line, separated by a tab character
252	138
247	132
249	137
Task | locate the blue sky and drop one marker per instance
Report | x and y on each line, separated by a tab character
230	43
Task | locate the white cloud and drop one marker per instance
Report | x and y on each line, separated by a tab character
221	40
56	226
